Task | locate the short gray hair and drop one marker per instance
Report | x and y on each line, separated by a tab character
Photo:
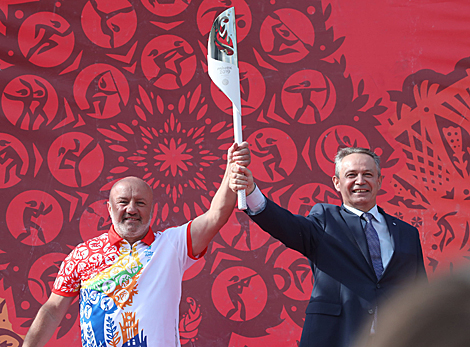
344	152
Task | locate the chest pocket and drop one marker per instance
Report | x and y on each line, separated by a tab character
323	308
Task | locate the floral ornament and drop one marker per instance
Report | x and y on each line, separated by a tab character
416	222
172	157
189	324
173	151
399	215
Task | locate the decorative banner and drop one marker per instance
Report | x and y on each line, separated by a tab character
95	90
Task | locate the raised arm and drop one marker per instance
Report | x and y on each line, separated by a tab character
207	225
47	320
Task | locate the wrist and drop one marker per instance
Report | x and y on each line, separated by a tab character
250	190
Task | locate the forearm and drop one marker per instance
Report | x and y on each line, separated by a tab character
206	226
47	320
222	204
41	330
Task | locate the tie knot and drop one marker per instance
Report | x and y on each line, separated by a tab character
368	216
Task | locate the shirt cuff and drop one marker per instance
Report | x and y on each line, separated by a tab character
256	202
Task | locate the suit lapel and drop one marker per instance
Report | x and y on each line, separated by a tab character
358	237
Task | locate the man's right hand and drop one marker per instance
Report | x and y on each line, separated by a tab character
241	178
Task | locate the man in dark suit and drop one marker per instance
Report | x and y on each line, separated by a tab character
358	253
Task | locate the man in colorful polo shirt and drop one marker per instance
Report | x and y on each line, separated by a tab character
129	279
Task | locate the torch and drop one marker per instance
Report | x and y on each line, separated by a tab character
222	63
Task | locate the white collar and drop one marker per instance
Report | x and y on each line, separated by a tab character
373	211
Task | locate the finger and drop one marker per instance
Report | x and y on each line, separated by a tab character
244	144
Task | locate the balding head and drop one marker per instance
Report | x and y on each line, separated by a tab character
130	207
134	181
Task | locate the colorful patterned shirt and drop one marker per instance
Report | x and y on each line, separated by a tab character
129	296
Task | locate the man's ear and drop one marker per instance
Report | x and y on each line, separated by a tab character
336	183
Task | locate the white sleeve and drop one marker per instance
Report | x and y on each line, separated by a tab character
256	202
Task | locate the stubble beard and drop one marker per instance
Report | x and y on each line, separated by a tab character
129	232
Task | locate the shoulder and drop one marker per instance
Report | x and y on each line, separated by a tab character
396	221
96	244
173	232
325	208
322	212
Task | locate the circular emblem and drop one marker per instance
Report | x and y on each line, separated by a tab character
34	217
287	35
75	159
274	154
14	161
101	91
168	62
239	293
46	39
29	102
109	24
308	96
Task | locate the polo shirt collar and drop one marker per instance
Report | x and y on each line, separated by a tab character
114	237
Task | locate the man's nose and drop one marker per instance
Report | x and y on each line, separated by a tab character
360	179
131	207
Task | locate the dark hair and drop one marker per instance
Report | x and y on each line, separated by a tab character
344	152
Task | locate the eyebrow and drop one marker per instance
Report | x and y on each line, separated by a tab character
356	171
126	198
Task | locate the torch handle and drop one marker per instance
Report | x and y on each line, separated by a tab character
238	136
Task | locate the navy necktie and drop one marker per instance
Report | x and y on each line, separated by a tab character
374	245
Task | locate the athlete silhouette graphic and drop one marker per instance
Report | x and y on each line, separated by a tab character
71	158
271	151
46	34
234	290
33	101
11	158
169	62
30	212
305	90
108	27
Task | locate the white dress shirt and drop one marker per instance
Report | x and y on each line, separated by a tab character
385	239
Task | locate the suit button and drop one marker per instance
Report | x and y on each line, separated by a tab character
371	311
379	286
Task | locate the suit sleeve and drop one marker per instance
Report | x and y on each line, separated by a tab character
297	232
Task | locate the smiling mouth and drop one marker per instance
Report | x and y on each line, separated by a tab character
360	191
131	219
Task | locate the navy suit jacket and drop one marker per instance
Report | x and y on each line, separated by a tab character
346	290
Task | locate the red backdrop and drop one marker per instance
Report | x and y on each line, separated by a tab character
92	91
